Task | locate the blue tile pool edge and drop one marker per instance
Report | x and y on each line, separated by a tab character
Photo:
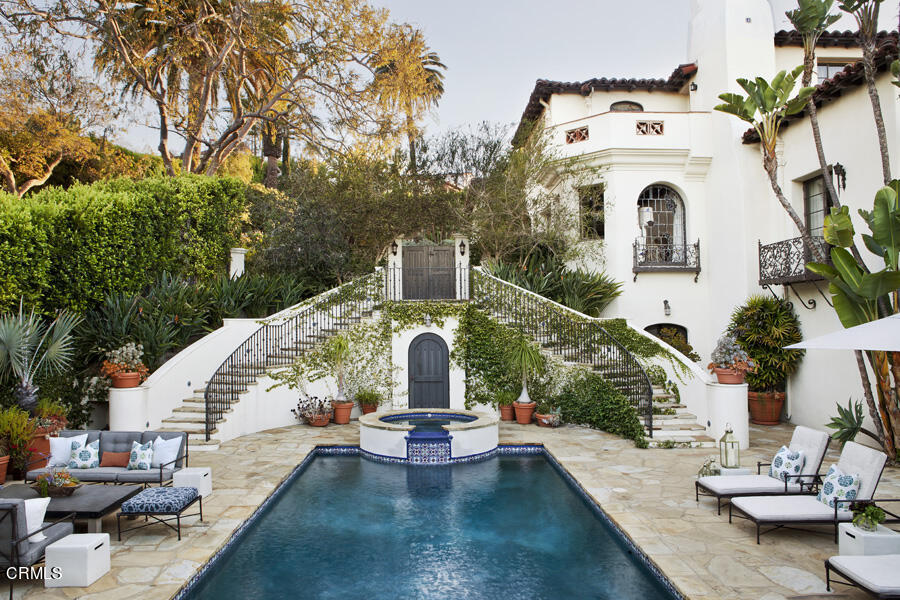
502	450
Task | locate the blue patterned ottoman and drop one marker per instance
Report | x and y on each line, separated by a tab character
165	501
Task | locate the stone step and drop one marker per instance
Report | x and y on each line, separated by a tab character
677	417
185	419
696	441
203	445
193	409
671	427
662	397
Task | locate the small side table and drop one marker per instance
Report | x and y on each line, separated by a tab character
734	471
77	560
858	542
197	477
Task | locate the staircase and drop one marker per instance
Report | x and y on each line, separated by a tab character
674	426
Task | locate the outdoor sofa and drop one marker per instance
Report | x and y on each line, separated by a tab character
782	511
16	547
813	443
121	441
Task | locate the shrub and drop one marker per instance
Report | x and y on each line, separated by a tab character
588	399
763	326
677	340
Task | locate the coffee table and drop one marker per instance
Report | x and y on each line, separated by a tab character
90	503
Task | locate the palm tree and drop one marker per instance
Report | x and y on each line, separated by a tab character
866	14
30	349
811	19
410	76
525	358
765	107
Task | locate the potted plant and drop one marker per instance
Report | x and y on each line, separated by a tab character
49	419
505	400
763	326
16	433
866	515
546	414
29	349
4	462
314	410
729	361
524	359
58	483
337	353
125	366
368	400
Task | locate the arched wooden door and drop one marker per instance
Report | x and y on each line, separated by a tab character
429	372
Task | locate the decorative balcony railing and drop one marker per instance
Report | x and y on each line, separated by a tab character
666	257
785	262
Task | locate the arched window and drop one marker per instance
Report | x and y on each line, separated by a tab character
626	106
661	219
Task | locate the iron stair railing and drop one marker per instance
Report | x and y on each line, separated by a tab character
285	336
572	335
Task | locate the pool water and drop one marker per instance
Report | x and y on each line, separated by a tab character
425	424
508	527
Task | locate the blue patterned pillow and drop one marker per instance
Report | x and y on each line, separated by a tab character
787	462
838	486
85	456
141	456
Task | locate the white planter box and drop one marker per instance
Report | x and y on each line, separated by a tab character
198	477
728	404
854	541
80	559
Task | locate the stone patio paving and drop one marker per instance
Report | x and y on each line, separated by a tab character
649	493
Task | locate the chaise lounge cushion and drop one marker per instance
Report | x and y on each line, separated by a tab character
29	552
786	509
878	574
160	501
867	462
725	485
813	443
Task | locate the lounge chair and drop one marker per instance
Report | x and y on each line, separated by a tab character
877	575
781	511
813	443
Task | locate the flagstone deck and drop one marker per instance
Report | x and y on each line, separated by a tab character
649	493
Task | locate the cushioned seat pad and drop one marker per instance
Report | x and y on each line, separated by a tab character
160	501
878	574
725	485
143	476
101	474
784	509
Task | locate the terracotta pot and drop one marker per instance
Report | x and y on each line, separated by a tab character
319	421
342	412
40	448
126	379
765	407
524	412
507	413
369	408
4	463
729	376
542	420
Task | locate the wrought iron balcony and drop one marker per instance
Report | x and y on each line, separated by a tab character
666	257
785	262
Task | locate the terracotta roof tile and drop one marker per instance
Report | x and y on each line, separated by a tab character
845	39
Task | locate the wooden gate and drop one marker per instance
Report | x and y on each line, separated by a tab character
429	273
429	372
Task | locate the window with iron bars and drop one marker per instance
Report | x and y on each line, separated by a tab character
579	134
590	203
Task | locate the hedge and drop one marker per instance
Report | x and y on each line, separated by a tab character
70	248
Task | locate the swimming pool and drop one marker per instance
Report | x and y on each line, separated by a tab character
507	527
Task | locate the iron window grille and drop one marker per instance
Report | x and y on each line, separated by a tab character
649	127
579	134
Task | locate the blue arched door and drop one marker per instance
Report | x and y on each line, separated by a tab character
429	372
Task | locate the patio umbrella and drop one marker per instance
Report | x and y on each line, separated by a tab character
883	334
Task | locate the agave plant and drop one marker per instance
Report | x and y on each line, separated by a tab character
849	423
30	349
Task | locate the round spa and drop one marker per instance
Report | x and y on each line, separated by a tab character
428	436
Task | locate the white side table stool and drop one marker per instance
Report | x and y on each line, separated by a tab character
858	542
198	477
77	560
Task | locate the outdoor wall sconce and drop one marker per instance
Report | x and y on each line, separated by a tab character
666	308
462	248
693	87
427	320
394	247
841	174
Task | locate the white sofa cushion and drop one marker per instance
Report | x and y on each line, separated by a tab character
787	461
61	449
141	456
85	456
878	574
35	508
838	486
725	485
165	451
784	509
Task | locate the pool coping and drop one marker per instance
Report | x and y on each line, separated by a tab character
373	420
535	449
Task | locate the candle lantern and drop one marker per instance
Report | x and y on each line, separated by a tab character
729	449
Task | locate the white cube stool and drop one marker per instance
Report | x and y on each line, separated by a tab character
198	477
855	541
77	560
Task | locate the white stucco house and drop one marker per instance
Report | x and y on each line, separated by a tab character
688	210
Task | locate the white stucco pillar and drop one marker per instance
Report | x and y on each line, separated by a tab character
462	251
236	267
728	405
128	409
